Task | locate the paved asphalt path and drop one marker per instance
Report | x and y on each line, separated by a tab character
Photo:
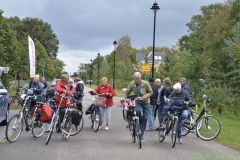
114	144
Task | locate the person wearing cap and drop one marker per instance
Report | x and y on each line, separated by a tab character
152	106
181	95
144	90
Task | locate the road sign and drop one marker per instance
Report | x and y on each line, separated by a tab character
146	68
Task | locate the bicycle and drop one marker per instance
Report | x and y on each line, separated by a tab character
16	98
192	117
65	126
169	123
75	128
206	126
55	118
37	128
95	115
133	119
15	125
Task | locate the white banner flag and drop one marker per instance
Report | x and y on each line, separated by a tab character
32	58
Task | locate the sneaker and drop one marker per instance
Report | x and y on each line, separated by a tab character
157	129
149	129
180	140
141	137
100	127
107	128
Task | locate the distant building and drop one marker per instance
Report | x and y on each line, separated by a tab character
143	59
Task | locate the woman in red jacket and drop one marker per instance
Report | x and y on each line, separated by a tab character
108	93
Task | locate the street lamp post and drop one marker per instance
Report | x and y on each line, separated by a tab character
155	8
43	67
90	72
115	44
98	68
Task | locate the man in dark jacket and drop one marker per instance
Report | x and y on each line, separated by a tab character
153	102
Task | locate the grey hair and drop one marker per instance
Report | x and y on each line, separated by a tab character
177	86
158	80
71	80
137	74
184	79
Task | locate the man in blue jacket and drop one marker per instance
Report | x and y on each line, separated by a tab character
181	95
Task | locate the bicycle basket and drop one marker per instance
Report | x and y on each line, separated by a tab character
29	92
100	101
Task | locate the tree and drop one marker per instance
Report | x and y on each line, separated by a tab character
38	31
9	47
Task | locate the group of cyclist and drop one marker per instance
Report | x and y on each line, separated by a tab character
154	98
63	86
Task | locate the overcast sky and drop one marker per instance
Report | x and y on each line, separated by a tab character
88	27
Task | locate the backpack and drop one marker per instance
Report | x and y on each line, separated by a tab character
76	117
167	90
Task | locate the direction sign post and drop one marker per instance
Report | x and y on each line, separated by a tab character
146	68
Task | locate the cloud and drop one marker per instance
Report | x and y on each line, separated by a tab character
73	58
86	27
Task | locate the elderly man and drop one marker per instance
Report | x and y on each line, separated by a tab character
184	85
143	89
181	95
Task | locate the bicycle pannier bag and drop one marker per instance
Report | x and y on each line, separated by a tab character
76	117
100	101
46	114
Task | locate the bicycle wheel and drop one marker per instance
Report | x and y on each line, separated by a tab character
14	128
163	128
132	130
208	128
51	128
186	127
66	127
14	101
37	127
97	120
92	119
174	132
76	129
138	133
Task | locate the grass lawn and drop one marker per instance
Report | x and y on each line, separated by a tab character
229	129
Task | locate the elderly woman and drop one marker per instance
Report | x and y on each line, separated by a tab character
71	84
107	92
37	88
79	92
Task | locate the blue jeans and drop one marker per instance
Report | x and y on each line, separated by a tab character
160	111
80	99
108	114
151	116
142	118
181	116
